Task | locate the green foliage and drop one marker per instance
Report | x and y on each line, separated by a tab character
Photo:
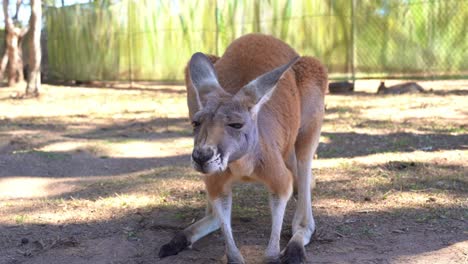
153	39
129	40
413	37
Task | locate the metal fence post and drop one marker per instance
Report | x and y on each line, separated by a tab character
353	42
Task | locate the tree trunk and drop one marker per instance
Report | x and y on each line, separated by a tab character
3	65
20	65
12	49
13	58
34	80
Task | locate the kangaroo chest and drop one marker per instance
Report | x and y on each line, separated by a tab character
243	169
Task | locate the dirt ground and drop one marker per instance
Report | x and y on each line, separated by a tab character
102	175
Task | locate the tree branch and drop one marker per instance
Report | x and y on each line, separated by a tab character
8	21
18	5
24	31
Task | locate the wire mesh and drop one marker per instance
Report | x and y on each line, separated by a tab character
151	40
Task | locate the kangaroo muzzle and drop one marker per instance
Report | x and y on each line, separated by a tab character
206	159
201	155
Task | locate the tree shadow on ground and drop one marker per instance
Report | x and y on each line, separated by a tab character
137	236
34	124
71	164
457	92
395	176
460	92
351	144
22	156
124	86
156	128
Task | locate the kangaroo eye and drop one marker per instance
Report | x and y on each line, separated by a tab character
195	124
236	125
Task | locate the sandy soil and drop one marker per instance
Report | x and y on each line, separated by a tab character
101	175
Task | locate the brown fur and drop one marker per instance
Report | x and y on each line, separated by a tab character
257	114
289	122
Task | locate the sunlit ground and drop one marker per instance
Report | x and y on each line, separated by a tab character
86	155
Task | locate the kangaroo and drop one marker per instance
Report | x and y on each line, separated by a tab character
410	87
257	114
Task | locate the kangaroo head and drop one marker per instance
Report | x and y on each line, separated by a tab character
381	87
225	126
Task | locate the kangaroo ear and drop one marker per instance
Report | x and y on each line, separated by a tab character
203	77
259	91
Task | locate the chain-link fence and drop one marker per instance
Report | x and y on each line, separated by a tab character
153	39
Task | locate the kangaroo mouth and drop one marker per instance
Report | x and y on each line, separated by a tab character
216	164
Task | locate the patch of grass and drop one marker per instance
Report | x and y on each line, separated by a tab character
400	165
446	128
131	235
434	125
345	230
21	219
341	110
248	212
401	143
326	152
376	124
392	184
368	232
350	166
181	215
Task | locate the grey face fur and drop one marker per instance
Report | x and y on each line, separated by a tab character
225	127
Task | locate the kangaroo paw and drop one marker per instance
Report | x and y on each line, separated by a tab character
178	243
293	254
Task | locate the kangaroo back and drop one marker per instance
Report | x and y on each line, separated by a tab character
409	87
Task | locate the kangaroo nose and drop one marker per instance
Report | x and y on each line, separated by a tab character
202	155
